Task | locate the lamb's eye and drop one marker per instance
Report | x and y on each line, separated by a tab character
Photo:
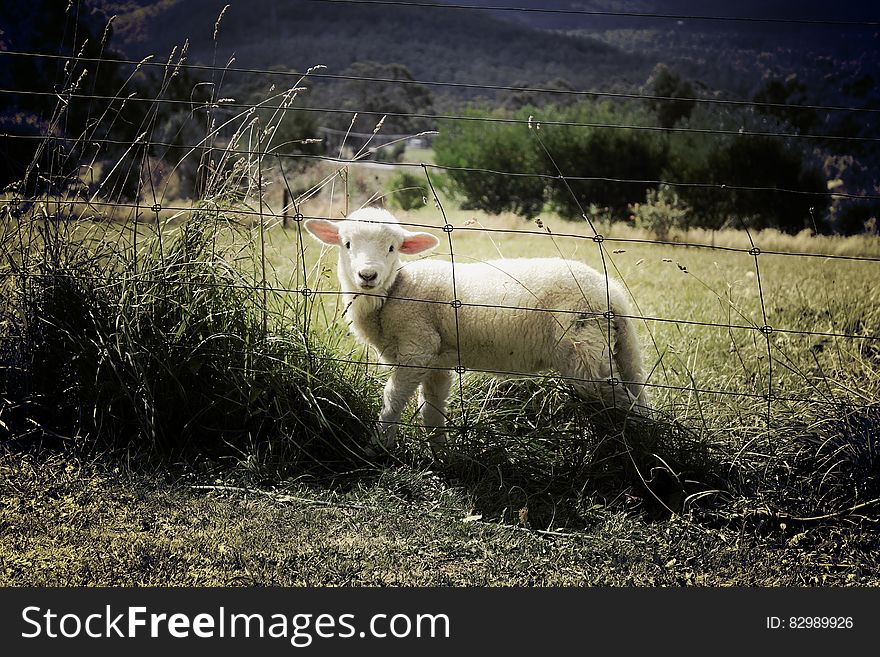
348	245
390	248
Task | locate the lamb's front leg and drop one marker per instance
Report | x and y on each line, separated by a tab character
398	390
433	398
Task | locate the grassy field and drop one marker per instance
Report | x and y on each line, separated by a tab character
259	478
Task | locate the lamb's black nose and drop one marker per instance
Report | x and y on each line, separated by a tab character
368	276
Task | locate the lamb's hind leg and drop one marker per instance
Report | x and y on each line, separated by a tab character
585	360
433	399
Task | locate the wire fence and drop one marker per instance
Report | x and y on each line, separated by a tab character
236	159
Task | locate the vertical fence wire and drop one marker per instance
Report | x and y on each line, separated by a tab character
262	219
598	239
455	303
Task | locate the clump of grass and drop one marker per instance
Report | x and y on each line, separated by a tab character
533	452
166	339
833	467
530	452
173	351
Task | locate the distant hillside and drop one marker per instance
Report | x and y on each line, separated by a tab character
811	10
608	53
819	63
435	44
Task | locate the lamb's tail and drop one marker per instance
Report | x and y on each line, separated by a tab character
630	366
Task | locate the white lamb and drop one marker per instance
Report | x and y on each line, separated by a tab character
505	316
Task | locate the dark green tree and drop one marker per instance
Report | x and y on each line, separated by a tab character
675	96
779	95
620	161
766	162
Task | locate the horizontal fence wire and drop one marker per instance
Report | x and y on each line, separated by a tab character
16	206
513	174
608	13
308	292
156	208
317	356
317	75
231	103
273	152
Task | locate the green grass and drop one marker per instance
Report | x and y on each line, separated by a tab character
174	352
683	288
69	522
715	438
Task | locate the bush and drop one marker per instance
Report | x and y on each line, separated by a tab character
496	147
546	150
607	155
768	162
730	164
661	212
614	167
407	191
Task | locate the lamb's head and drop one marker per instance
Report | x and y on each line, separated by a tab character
370	242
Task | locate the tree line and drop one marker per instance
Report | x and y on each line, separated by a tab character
580	154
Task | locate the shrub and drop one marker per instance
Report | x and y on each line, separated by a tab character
496	147
545	149
768	162
732	163
607	155
407	191
661	212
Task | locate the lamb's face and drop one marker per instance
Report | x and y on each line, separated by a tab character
369	254
370	243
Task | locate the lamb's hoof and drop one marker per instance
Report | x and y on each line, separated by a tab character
385	436
380	445
438	441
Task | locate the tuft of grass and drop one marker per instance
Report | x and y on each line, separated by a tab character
834	466
532	452
176	351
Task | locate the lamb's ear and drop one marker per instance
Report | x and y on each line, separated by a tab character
418	242
326	231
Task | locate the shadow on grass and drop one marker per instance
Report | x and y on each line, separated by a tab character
539	456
